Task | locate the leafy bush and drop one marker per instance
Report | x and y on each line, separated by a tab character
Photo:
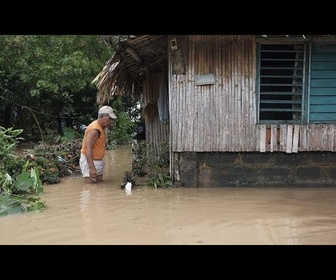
121	132
153	162
17	185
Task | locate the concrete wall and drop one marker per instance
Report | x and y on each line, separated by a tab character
305	169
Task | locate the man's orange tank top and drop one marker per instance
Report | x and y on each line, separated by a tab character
98	149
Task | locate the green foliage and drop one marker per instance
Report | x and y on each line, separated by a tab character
68	135
10	204
122	132
49	76
128	104
17	191
23	182
8	139
160	181
56	161
139	158
8	159
27	182
59	64
153	162
44	164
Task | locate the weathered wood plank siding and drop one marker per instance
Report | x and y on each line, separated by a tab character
222	115
219	116
157	132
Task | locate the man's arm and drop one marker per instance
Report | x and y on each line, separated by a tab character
91	138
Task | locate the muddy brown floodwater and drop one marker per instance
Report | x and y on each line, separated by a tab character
83	214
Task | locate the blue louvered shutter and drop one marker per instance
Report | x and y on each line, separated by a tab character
322	103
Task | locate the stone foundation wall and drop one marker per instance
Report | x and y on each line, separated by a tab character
305	169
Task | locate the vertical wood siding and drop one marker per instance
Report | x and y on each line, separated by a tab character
219	116
222	116
157	132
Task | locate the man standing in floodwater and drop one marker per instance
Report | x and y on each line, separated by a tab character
93	146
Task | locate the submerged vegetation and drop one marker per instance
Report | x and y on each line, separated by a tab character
149	162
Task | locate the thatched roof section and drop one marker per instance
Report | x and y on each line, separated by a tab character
124	72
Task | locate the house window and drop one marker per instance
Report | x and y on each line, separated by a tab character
281	82
296	82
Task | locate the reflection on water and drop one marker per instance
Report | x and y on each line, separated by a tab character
104	214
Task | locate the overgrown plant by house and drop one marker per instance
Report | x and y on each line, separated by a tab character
153	163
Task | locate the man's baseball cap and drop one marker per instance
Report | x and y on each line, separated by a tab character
107	110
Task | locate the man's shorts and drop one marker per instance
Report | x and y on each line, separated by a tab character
84	166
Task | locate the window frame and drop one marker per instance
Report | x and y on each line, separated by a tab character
309	42
305	78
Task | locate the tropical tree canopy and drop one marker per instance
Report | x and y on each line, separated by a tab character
49	77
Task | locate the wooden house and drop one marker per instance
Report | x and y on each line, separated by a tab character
236	110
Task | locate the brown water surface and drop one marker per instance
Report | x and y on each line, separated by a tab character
78	213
